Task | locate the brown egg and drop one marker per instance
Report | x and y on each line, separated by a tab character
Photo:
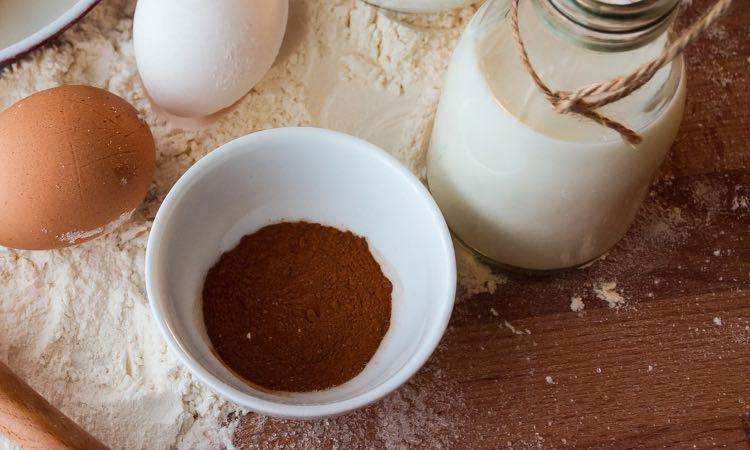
75	162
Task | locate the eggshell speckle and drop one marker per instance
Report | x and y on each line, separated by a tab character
75	162
196	57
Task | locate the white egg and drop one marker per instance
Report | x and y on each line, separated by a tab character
196	57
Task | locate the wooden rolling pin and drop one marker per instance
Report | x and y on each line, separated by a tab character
34	424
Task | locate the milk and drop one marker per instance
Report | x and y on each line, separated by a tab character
523	185
421	6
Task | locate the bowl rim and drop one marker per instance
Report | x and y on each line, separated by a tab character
433	334
47	33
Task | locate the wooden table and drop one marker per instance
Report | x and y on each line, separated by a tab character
670	367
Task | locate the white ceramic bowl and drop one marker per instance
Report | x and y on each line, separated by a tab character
314	175
27	24
420	6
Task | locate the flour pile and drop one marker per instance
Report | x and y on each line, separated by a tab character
75	323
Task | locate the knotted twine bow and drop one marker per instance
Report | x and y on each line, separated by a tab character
579	101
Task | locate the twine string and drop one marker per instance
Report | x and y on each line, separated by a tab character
578	102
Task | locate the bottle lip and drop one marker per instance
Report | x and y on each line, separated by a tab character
616	16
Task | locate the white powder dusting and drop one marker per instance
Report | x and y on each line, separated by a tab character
72	237
663	225
740	332
475	277
607	292
740	202
425	413
576	304
88	342
515	330
8	445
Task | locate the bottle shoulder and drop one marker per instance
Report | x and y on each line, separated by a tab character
563	65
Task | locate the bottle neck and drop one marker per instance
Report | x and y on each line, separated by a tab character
608	25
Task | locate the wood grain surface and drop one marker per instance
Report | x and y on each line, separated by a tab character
669	368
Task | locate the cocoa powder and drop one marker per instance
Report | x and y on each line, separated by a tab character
297	306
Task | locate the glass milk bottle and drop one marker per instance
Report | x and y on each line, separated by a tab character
530	188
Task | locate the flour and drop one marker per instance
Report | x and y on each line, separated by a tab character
425	413
71	237
607	292
515	330
475	277
740	202
576	304
75	323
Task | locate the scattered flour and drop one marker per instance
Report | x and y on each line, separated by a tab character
88	342
72	237
515	330
428	412
475	277
740	202
606	291
576	304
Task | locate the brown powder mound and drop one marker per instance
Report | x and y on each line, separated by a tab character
297	306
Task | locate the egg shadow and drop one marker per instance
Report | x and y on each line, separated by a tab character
180	122
296	29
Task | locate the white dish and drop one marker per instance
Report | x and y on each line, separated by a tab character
28	24
315	175
421	6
